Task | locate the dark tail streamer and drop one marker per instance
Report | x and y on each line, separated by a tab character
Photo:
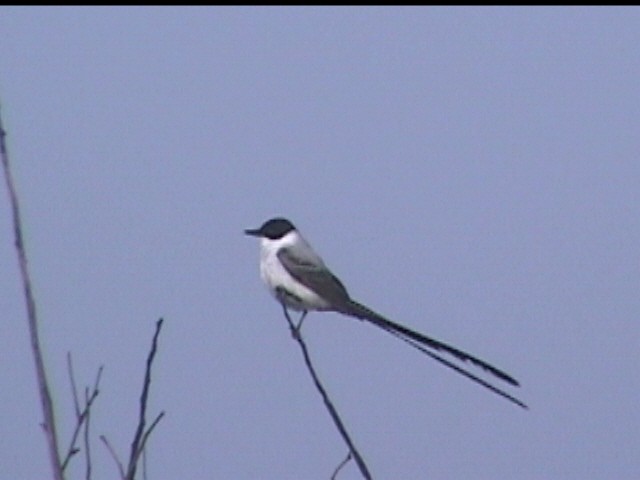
460	370
420	342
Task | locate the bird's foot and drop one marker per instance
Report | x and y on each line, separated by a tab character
296	331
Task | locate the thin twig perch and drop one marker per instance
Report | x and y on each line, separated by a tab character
82	415
114	455
48	422
141	435
295	331
346	460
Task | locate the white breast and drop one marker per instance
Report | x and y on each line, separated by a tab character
275	276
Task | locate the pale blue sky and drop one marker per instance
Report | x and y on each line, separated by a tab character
472	173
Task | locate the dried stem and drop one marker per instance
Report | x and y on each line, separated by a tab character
114	455
87	443
295	331
48	423
82	416
141	435
339	467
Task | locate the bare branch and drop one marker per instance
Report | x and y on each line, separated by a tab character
339	467
295	332
145	437
81	415
48	423
140	436
87	443
74	389
114	455
144	465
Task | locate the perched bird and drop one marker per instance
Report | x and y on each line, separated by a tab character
299	279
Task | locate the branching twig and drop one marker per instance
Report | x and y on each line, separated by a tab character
82	416
339	467
114	455
141	435
145	437
144	465
74	389
87	443
325	397
48	423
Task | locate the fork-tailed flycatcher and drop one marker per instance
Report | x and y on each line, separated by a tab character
298	278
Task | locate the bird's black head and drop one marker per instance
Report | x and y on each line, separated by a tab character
273	229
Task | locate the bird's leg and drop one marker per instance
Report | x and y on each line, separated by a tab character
295	329
299	326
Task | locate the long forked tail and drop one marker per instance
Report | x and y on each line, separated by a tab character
419	341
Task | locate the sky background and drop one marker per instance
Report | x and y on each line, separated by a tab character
473	173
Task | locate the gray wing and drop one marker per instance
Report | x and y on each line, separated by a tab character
309	269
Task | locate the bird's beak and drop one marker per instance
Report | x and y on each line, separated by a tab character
254	232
